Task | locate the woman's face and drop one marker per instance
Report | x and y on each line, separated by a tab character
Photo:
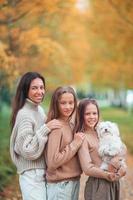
36	91
90	116
66	105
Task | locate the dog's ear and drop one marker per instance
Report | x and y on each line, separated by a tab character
98	126
97	129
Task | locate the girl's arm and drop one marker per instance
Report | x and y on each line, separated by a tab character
88	167
56	156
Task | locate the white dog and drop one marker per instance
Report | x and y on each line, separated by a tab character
110	144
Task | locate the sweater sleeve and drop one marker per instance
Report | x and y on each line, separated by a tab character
56	156
30	144
86	163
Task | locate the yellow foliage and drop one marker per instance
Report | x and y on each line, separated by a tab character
110	35
48	36
44	45
37	7
55	34
8	64
114	75
76	42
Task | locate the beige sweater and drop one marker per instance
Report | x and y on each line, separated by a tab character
61	155
89	158
29	137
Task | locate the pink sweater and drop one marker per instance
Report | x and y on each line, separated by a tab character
61	155
89	158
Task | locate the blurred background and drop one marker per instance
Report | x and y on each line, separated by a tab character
83	43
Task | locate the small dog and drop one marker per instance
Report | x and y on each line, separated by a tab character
110	143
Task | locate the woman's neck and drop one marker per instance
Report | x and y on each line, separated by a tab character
29	100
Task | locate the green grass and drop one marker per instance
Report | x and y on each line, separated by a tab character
124	121
6	166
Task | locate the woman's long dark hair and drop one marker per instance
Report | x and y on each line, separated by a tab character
81	111
22	93
53	110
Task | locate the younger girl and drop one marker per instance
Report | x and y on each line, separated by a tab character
100	185
63	168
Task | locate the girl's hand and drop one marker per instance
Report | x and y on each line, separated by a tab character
54	124
121	172
115	164
112	176
79	137
116	176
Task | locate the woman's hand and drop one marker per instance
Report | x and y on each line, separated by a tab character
54	124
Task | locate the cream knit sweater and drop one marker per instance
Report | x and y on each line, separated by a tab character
28	138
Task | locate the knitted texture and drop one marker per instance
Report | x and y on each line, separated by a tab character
29	137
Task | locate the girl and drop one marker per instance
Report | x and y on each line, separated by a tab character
63	168
29	136
101	184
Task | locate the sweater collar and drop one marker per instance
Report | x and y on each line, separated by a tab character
31	104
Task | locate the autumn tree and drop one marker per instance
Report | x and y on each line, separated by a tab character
42	36
110	32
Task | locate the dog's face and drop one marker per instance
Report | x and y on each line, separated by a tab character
107	128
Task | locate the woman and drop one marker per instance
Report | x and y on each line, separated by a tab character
101	184
63	168
29	135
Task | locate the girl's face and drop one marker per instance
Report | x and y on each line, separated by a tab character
90	116
66	105
36	91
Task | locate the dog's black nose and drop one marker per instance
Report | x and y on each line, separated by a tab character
106	129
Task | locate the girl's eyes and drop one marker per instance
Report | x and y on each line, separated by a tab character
63	102
91	113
